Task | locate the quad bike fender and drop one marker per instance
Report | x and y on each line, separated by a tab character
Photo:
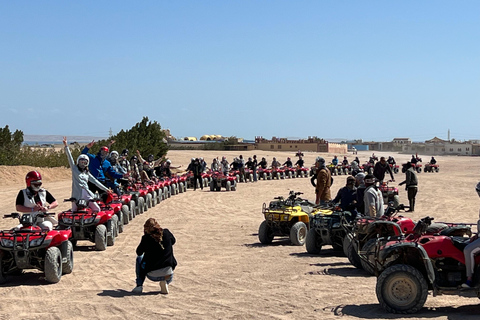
384	229
413	254
60	238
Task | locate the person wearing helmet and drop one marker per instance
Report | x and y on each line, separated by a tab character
335	160
373	198
288	163
345	161
215	165
100	167
347	196
123	161
471	250
411	184
203	164
324	182
300	162
224	165
355	168
275	163
35	199
81	177
165	169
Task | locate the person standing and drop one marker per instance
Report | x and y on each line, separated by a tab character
197	174
254	167
36	200
411	183
360	184
324	182
373	198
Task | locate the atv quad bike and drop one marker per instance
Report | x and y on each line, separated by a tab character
99	227
287	217
328	227
390	194
219	181
419	263
31	247
431	168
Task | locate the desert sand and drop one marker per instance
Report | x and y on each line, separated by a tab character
223	271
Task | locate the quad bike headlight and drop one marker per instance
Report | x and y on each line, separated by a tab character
67	220
36	242
7	243
89	220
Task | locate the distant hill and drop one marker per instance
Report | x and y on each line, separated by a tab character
56	139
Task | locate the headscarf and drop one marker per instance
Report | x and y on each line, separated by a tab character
321	163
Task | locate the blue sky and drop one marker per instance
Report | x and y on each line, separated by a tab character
371	70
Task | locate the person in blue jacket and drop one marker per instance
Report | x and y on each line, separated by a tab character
102	169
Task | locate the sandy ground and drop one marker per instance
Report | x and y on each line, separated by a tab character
223	271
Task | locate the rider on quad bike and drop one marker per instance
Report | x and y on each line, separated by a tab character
34	199
470	250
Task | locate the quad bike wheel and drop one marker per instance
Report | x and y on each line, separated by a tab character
313	243
165	193
396	201
265	234
298	233
133	210
180	187
148	201
119	216
346	242
401	288
368	248
228	186
290	175
154	198
53	265
101	237
250	177
112	230
67	267
125	216
353	256
141	205
234	186
2	275
159	196
212	187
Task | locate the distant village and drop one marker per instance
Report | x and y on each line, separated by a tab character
434	146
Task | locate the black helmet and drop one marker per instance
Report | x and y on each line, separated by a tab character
125	152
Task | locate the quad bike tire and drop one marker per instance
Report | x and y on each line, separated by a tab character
346	242
154	198
125	216
165	193
148	201
67	267
180	187
419	170
101	237
298	233
250	177
265	234
133	210
119	216
53	265
141	205
228	186
212	187
368	247
370	170
234	186
264	176
353	256
290	175
3	279
112	230
313	243
401	288
159	196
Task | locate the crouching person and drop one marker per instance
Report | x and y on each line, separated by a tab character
155	259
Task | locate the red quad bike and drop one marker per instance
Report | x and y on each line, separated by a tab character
368	168
289	172
97	227
236	174
418	263
360	243
248	175
347	169
431	168
278	173
182	183
394	167
219	181
301	172
390	194
207	177
31	247
120	208
141	192
264	173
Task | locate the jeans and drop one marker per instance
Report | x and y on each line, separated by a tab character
254	174
141	274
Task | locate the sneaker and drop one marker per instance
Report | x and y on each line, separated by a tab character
467	284
137	289
163	287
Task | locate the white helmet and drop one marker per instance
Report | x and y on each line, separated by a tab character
114	153
169	161
85	161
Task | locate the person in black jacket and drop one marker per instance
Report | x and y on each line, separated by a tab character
381	168
155	258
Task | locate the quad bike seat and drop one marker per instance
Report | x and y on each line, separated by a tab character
457	231
460	242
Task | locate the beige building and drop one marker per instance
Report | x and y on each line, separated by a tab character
313	144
